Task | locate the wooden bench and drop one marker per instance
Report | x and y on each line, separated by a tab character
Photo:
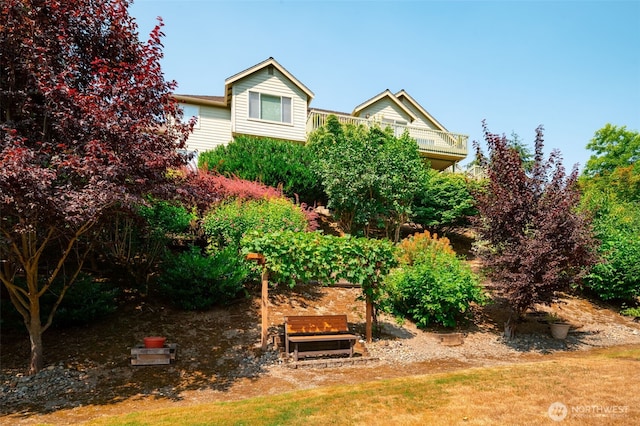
313	335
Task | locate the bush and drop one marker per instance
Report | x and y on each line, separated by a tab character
87	300
281	164
194	281
445	199
202	190
420	245
617	226
227	223
131	242
432	285
165	218
630	312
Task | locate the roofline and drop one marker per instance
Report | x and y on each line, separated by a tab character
194	99
386	93
420	108
270	61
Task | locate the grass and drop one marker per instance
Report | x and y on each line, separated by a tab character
591	386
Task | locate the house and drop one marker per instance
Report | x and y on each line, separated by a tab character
267	100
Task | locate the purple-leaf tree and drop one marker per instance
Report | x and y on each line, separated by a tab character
538	243
85	124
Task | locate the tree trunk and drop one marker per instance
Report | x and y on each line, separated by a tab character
35	337
510	328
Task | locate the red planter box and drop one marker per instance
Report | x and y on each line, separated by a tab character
154	342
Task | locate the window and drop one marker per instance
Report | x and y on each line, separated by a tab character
189	111
398	126
270	107
394	122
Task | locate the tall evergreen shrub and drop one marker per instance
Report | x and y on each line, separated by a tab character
276	163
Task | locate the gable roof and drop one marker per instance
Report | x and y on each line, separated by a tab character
403	94
386	94
266	63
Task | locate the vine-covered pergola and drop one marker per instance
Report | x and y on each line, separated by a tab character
293	257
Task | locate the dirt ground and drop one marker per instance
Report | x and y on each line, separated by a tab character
219	359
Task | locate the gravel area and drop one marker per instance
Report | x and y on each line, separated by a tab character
483	345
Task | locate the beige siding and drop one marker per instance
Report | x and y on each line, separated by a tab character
277	85
422	120
385	109
214	128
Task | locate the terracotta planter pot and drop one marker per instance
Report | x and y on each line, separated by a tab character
559	330
154	342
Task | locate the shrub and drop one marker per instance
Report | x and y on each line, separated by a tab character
445	199
617	226
87	300
631	312
227	223
131	242
432	285
203	189
280	164
194	281
420	245
166	218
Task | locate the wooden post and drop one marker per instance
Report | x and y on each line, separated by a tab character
369	317
264	306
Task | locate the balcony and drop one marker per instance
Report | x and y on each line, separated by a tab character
441	148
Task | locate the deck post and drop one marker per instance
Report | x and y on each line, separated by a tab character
369	318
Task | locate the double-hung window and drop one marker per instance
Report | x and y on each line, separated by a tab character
270	107
189	111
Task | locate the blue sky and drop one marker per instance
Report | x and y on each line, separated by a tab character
571	66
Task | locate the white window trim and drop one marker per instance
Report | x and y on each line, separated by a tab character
283	123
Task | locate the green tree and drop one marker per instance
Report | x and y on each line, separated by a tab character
615	147
615	166
369	175
611	187
523	150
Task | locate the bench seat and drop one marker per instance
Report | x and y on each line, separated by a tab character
322	334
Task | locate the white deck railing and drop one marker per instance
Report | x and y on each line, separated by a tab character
471	171
429	140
